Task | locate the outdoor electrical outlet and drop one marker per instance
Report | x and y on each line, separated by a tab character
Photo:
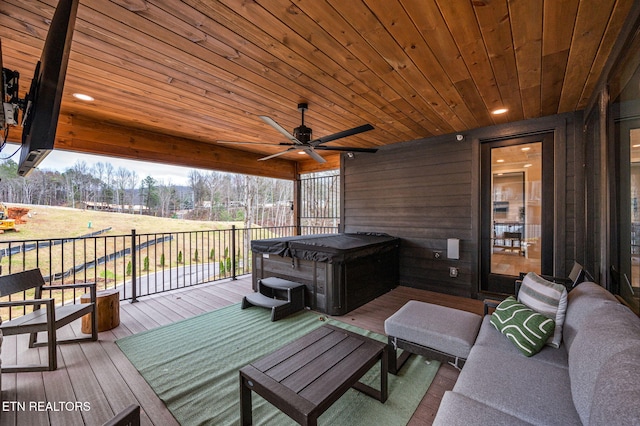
453	271
437	254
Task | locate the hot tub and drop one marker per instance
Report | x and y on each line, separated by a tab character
340	271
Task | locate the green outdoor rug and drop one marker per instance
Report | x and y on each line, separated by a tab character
193	367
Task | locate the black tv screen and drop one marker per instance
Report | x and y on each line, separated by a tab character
2	96
45	94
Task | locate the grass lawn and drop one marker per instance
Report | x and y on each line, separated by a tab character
61	222
189	243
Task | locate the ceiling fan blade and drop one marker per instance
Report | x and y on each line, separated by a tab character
314	155
256	143
346	148
244	143
277	154
342	134
280	129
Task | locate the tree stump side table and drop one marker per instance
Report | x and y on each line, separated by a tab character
107	310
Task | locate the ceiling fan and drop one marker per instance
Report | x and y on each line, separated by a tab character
301	140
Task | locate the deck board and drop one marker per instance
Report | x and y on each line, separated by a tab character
100	374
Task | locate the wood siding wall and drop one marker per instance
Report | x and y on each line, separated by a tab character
428	190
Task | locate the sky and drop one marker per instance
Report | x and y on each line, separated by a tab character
59	160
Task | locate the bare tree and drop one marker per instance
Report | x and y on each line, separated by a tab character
108	183
283	199
214	182
27	191
166	197
98	171
121	179
132	184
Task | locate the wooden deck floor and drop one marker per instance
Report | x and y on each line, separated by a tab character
95	380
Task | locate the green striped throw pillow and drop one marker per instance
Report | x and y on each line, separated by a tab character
525	328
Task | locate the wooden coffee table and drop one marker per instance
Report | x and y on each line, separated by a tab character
304	378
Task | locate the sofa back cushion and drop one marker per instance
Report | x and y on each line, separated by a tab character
581	301
616	400
606	331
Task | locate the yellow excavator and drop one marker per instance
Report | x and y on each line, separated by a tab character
6	224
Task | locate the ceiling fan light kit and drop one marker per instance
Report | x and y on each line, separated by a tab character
301	139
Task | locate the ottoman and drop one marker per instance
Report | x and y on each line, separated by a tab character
437	332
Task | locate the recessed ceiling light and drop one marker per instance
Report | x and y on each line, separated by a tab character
83	97
500	161
499	111
526	148
528	165
636	145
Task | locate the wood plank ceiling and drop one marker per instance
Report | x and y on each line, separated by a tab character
170	78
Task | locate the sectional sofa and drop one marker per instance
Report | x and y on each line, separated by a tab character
593	378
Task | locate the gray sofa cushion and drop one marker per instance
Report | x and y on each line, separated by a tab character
535	392
617	391
459	410
609	329
492	338
581	301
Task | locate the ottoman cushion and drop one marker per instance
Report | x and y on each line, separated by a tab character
447	330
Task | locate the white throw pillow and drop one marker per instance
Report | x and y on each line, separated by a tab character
547	298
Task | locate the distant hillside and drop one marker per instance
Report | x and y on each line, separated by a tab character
43	222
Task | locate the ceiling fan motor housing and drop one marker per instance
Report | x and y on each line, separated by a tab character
302	133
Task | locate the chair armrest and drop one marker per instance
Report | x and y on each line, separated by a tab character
490	304
66	286
91	286
50	305
47	301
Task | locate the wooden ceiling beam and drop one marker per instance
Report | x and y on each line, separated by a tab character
82	134
308	165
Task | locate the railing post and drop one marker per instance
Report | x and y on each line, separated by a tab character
134	261
233	252
297	205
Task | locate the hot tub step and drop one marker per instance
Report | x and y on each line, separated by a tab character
278	283
258	299
281	296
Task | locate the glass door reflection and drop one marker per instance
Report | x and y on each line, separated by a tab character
516	188
629	286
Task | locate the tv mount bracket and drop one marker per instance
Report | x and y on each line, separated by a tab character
12	103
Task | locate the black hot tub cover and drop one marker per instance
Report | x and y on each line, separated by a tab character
331	248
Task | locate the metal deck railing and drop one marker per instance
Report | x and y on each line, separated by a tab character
138	264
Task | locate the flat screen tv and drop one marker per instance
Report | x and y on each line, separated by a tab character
4	125
2	95
45	94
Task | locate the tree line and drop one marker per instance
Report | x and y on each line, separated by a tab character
215	196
